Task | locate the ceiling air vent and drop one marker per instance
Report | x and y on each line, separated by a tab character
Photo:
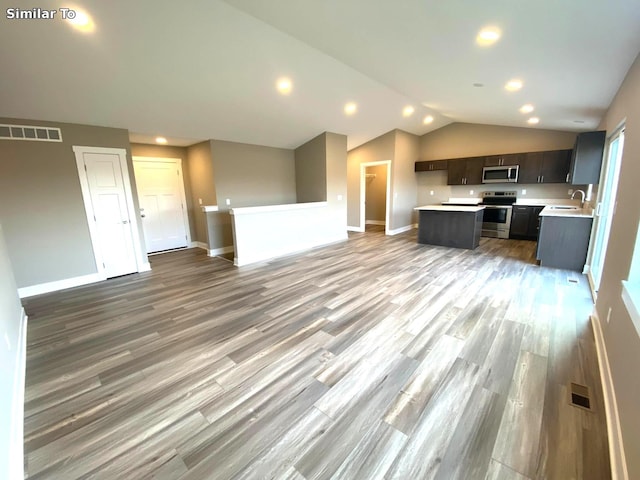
30	132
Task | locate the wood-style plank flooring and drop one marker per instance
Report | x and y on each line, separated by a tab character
376	358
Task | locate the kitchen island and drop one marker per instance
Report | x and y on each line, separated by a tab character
456	226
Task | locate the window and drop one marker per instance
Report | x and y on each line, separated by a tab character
631	287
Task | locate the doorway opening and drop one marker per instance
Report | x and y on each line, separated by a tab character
605	207
375	193
163	204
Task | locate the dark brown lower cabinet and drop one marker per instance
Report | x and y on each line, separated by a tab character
524	222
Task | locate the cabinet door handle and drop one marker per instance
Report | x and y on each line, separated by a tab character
567	180
542	179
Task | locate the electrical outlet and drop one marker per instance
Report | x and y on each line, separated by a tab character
339	197
228	201
609	315
524	191
470	192
200	201
570	191
431	192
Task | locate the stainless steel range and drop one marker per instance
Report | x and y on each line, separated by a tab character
497	213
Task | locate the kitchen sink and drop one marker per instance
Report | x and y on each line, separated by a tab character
563	207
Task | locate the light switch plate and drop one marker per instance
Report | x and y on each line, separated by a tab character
524	191
430	192
339	197
228	201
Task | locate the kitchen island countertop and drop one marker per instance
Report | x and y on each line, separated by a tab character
451	208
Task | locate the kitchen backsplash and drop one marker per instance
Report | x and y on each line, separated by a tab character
433	189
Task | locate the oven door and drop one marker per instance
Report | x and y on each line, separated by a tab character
496	221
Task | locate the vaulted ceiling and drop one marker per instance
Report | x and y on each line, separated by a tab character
203	69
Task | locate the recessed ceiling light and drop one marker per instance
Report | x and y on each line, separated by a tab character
428	119
284	86
527	108
79	19
513	85
533	120
488	36
350	108
408	111
161	140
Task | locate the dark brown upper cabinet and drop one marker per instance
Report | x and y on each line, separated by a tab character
545	167
431	165
503	160
586	159
465	171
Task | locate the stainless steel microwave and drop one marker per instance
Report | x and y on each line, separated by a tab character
502	174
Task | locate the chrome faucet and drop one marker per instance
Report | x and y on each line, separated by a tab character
583	195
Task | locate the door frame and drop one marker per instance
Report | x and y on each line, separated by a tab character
183	198
142	263
604	170
363	194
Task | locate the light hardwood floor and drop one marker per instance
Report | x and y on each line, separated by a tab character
369	359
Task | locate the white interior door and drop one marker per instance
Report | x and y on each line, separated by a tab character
161	198
113	220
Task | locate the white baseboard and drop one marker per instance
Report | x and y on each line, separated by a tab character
59	285
614	432
219	251
16	446
201	245
375	222
396	231
355	229
145	267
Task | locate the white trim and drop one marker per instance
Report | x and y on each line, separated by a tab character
145	267
183	196
355	229
16	445
375	222
219	251
363	194
614	432
79	152
406	228
201	245
59	285
631	299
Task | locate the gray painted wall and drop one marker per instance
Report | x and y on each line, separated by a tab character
202	184
159	151
311	170
336	148
10	316
621	338
253	175
459	140
404	190
41	206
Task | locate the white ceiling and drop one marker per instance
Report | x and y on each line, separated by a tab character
201	69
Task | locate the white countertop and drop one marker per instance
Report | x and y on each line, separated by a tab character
210	208
463	201
549	211
451	208
543	202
